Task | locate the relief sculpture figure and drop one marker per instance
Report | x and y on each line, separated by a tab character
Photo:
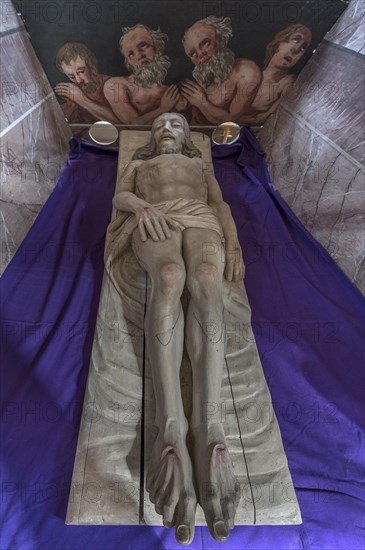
177	209
175	372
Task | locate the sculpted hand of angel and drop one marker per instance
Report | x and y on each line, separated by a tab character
155	224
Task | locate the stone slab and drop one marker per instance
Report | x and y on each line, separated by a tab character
113	450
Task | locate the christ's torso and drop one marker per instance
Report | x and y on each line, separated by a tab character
171	176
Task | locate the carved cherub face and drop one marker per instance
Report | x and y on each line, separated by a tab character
168	131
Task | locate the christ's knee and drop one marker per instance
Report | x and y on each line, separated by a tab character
170	281
205	284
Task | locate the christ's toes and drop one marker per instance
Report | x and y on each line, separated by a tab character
185	521
220	531
182	515
183	534
215	520
230	503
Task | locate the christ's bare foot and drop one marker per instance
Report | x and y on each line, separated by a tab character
170	485
218	490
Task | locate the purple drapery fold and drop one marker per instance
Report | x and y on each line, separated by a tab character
307	319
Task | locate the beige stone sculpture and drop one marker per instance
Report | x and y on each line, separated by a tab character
170	169
177	409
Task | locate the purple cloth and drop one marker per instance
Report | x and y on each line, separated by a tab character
307	318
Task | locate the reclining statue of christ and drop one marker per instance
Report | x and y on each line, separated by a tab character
180	216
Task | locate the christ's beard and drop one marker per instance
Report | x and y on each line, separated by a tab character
168	148
152	71
216	70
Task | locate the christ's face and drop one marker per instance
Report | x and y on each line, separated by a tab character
169	133
138	48
292	50
201	43
78	72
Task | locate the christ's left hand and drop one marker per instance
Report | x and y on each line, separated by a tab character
234	270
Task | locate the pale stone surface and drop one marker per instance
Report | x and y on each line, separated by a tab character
315	148
118	439
349	29
34	136
9	19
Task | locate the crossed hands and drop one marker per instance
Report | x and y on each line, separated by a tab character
193	93
172	98
70	91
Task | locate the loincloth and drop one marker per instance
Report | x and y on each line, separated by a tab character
187	212
123	268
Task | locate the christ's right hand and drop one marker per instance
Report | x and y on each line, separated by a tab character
155	224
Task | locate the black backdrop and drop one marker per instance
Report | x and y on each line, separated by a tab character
98	24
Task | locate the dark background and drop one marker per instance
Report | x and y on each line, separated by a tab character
98	24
